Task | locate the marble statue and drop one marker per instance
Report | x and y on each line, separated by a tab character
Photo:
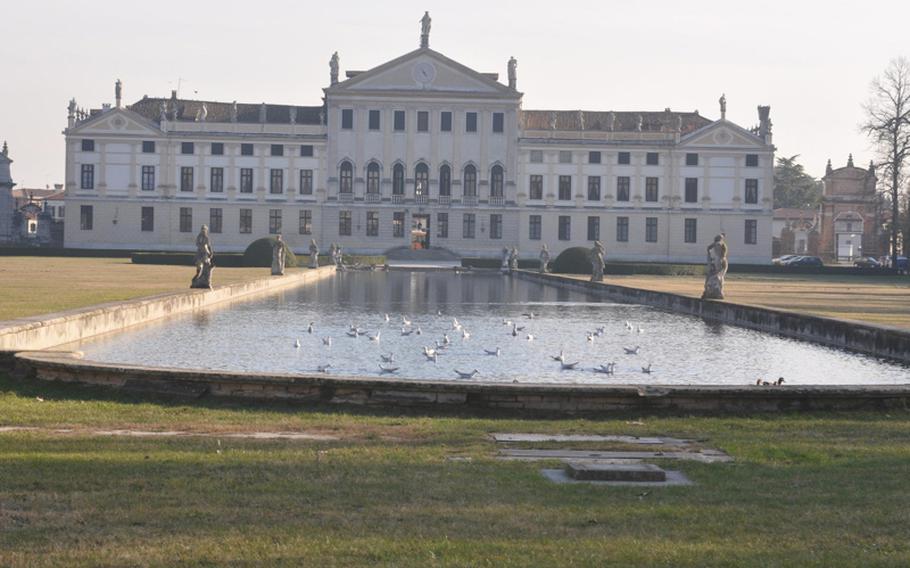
639	122
723	105
279	256
338	257
292	115
544	259
333	69
716	270
263	113
118	92
314	254
597	262
425	22
513	259
162	111
234	111
513	78
504	265
205	260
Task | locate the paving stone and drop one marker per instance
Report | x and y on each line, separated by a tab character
591	471
708	456
674	478
520	437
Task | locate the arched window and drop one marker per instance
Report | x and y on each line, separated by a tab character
496	181
470	181
398	180
373	178
421	180
445	180
346	178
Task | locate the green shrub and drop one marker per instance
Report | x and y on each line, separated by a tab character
259	253
575	260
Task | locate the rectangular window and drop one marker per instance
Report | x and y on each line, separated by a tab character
246	149
498	122
347	118
246	221
277	150
186	178
148	219
398	224
752	191
274	221
423	121
216	217
751	232
344	223
691	231
306	182
148	178
565	157
535	227
374	123
187	148
217	180
442	225
372	223
691	159
148	146
470	122
186	219
306	222
624	158
652	189
535	187
306	150
565	188
246	180
399	121
691	190
87	180
495	226
536	156
565	228
445	121
467	226
622	229
86	217
652	159
594	157
593	228
217	148
88	145
623	188
276	180
751	160
651	229
593	188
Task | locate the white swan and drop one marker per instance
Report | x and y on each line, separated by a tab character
324	368
646	370
297	344
561	357
495	352
632	350
405	320
387	318
466	375
327	341
406	332
390	358
389	369
375	337
569	366
465	334
310	328
530	337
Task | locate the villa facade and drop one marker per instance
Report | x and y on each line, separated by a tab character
418	152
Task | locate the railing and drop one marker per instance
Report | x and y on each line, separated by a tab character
469	200
373	198
397	198
497	200
445	200
346	197
421	199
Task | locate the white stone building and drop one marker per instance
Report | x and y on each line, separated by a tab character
418	152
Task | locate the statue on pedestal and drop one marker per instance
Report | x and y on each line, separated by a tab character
279	256
425	30
314	254
544	259
723	106
333	69
597	262
513	259
513	76
715	270
504	265
234	111
205	260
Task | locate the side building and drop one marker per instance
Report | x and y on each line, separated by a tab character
419	152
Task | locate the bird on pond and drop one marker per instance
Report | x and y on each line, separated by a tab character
324	368
387	318
530	315
405	331
495	352
445	339
405	320
600	331
297	344
387	358
351	333
590	337
629	326
569	366
462	375
360	331
561	357
375	337
310	328
506	322
455	324
465	334
432	355
646	370
606	369
419	331
514	331
632	350
530	337
441	346
388	369
777	383
327	341
640	330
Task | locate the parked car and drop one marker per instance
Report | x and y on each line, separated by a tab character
806	261
867	262
783	259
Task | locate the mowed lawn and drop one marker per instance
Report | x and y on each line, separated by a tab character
805	490
40	285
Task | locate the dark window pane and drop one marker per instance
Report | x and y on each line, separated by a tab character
594	157
624	158
470	122
498	122
148	147
246	149
347	118
217	148
374	120
445	121
423	121
187	148
277	149
88	145
399	120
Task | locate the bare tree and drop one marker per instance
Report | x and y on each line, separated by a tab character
888	127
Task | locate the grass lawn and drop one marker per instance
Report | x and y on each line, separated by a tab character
805	490
40	285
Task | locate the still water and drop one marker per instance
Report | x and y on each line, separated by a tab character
262	335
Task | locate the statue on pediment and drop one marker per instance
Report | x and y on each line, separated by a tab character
333	69
118	92
425	22
513	78
723	106
162	111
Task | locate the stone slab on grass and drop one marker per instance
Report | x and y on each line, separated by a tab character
674	478
592	471
704	456
648	441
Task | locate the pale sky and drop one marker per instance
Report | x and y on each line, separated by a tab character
811	61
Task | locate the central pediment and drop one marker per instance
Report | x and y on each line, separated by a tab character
423	71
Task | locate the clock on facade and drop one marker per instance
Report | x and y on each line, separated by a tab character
424	73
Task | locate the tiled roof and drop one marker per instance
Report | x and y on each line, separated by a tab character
150	108
663	121
24	192
795	213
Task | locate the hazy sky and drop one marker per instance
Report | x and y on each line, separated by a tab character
811	61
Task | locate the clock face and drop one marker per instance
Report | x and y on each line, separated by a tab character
424	72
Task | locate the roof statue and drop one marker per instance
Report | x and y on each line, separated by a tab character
723	106
234	111
262	113
202	113
162	111
553	120
581	120
292	115
639	121
850	161
513	80
5	150
612	121
425	30
118	92
829	168
333	69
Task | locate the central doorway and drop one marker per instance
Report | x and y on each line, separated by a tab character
420	232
